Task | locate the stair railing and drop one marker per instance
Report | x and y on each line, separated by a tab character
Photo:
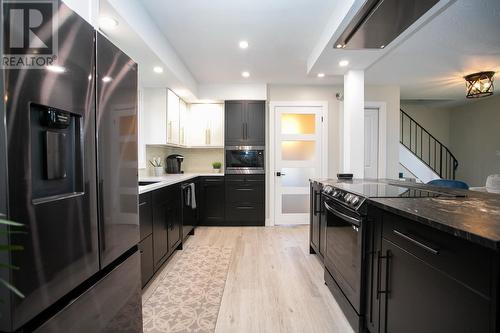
427	148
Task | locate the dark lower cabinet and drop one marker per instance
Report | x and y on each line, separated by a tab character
420	279
145	214
212	201
160	225
420	298
147	263
245	200
160	221
317	221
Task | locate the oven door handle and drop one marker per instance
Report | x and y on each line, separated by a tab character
352	220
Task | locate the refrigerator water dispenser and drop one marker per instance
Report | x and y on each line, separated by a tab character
56	153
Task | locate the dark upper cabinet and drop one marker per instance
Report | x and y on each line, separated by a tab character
255	129
245	123
145	214
234	122
212	201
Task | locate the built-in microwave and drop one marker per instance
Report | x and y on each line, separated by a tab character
244	159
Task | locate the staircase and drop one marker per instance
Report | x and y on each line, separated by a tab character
422	154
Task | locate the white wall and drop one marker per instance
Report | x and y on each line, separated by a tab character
475	140
436	120
390	96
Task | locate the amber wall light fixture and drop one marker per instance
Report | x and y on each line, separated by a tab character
479	84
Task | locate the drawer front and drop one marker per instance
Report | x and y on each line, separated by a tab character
464	261
147	265
245	178
245	192
145	214
243	213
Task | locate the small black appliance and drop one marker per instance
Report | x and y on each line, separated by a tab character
173	163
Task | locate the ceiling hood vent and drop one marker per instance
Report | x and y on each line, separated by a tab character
379	22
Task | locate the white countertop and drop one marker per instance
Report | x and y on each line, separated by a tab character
170	179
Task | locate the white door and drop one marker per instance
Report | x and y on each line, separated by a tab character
297	158
371	143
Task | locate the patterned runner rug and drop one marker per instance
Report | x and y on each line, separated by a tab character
188	296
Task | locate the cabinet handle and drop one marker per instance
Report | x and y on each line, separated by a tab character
316	210
243	130
246	131
170	131
380	257
143	203
244	207
416	242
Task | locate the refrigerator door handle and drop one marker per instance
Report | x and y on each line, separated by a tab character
100	203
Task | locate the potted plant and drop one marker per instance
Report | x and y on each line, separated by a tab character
216	166
158	168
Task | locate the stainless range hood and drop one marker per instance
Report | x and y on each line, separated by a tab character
379	22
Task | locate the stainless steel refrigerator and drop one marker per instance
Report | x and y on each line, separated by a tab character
70	174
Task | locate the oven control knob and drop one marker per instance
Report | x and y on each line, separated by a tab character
348	197
335	193
354	201
328	189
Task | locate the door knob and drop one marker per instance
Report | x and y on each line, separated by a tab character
279	174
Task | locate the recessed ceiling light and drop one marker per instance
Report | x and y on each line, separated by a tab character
106	79
243	44
343	63
321	74
158	69
56	69
106	22
382	46
245	74
339	46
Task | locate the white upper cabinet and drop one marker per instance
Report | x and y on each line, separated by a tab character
206	126
154	116
183	122
165	119
173	106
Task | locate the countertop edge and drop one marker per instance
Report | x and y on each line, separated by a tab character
164	181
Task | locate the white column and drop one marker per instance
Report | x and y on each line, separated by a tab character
354	123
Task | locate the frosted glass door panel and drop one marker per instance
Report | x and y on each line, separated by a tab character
298	150
296	177
295	123
295	204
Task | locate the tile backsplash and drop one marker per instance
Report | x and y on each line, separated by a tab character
198	160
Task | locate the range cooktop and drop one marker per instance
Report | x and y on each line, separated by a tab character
382	190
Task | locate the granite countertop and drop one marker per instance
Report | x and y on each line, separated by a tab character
475	217
170	179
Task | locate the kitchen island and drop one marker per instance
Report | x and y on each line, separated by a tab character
428	262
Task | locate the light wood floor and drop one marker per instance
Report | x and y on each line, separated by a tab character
273	283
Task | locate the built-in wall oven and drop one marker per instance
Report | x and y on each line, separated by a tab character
244	160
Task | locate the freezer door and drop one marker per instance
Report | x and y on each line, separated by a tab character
112	305
59	213
117	150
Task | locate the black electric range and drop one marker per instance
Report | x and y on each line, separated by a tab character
344	208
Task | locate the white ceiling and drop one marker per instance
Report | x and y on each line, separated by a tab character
281	33
463	39
292	40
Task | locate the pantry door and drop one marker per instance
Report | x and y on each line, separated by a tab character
299	155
